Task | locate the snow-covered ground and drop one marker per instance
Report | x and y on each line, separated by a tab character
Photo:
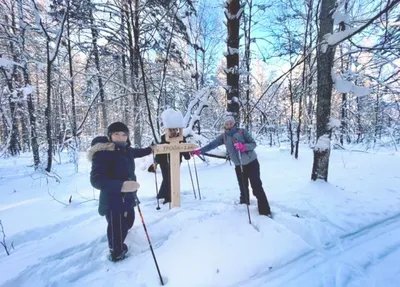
342	233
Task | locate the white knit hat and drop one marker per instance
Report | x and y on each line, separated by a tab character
229	118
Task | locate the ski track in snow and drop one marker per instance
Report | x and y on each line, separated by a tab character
90	257
331	256
36	234
96	251
342	256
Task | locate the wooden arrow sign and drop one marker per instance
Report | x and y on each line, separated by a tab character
174	147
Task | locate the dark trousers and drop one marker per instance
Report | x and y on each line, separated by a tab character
165	188
117	229
251	172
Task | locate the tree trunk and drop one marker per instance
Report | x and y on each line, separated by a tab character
129	19
14	146
74	145
47	112
97	64
28	92
343	123
305	76
50	60
203	61
125	100
324	93
232	58
358	120
137	112
32	120
140	62
196	67
291	119
25	132
247	32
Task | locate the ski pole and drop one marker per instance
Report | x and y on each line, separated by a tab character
191	178
197	178
155	178
247	194
148	239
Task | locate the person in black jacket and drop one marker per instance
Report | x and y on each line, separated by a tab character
164	161
113	173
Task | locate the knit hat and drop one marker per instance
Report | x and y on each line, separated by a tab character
229	118
117	127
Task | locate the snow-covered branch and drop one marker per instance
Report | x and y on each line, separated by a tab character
191	117
338	37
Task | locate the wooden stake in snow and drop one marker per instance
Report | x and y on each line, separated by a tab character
174	120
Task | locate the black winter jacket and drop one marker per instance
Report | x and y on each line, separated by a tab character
111	166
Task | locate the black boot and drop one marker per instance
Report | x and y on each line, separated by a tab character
263	207
243	201
114	257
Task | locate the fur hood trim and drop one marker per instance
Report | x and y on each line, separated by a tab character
100	147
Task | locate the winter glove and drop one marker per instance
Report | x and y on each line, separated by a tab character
130	186
195	152
240	147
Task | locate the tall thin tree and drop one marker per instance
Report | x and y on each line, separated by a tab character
324	92
233	13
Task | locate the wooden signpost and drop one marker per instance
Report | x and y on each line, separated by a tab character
174	148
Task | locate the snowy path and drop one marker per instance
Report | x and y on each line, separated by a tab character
345	233
342	264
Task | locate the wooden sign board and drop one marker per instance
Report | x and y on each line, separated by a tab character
174	148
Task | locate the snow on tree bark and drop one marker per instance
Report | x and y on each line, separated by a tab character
232	59
324	93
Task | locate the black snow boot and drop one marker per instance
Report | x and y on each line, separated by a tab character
118	257
243	200
263	207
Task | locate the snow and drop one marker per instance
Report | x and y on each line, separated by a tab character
27	90
333	123
172	119
361	91
231	51
339	17
192	115
344	86
336	37
8	64
323	143
324	47
342	233
37	17
234	16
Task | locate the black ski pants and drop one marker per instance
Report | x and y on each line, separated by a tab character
118	225
251	172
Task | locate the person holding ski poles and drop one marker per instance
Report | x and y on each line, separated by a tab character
240	146
113	173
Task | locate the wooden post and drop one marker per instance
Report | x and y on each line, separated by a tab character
174	148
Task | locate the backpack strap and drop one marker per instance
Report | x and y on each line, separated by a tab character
239	130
